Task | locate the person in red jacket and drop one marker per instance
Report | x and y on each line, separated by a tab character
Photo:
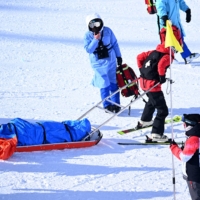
189	154
153	65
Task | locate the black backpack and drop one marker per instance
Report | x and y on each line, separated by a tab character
149	69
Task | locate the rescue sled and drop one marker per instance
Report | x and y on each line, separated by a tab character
19	135
91	141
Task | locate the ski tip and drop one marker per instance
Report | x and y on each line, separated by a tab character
120	132
177	118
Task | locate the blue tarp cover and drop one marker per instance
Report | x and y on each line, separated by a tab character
45	132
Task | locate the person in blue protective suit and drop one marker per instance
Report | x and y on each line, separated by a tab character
169	10
104	54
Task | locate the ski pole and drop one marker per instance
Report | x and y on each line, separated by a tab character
172	134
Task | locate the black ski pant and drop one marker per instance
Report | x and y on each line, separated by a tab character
194	189
157	102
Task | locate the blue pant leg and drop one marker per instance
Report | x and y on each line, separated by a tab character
115	98
186	52
105	92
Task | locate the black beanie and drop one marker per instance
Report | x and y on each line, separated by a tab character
191	119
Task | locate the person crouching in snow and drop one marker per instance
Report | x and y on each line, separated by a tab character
152	66
104	54
189	154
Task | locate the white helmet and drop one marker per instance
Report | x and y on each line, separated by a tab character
94	23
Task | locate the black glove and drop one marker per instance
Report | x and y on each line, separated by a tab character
188	15
173	143
162	79
164	18
182	146
119	60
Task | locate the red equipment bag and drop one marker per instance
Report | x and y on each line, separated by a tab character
126	75
151	8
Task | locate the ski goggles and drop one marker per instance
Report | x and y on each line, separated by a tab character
190	122
94	23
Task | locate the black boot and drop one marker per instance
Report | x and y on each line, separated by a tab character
116	109
109	108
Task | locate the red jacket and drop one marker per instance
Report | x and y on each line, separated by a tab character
7	147
163	64
190	154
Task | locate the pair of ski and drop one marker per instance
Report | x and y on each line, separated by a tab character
148	140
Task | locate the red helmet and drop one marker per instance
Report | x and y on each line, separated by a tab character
176	32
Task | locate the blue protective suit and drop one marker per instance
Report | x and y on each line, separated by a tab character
45	132
171	9
104	69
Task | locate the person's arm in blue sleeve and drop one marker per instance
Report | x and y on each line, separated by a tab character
161	7
90	45
183	6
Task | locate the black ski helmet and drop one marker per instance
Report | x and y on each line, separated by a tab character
191	119
94	23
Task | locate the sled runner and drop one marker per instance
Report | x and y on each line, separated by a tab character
122	107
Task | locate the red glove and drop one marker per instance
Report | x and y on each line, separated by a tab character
175	149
